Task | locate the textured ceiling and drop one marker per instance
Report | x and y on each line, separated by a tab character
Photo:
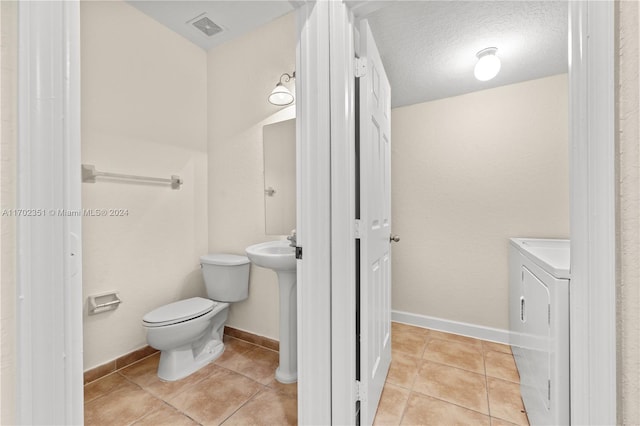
235	17
428	47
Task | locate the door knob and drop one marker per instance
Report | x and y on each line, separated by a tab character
394	238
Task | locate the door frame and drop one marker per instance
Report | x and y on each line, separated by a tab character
49	377
592	219
327	359
313	204
592	141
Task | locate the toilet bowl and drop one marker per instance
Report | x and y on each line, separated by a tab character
189	332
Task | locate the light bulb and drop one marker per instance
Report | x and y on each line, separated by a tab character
488	64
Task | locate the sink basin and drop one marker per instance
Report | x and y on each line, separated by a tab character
276	255
281	258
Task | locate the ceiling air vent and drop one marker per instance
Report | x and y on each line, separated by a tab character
207	26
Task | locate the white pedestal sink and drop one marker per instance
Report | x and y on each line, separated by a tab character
280	257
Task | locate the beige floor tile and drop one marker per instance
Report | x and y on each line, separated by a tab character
442	394
166	416
267	408
461	387
142	370
423	410
454	338
215	398
232	347
258	364
403	369
397	327
499	422
456	354
505	401
408	342
103	386
495	347
392	404
145	374
502	366
290	389
123	406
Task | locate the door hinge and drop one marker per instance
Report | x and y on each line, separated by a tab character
298	252
356	229
549	315
360	393
549	389
360	67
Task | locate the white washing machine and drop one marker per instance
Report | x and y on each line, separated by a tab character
539	326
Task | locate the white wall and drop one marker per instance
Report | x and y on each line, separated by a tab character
8	128
628	288
468	173
241	74
144	103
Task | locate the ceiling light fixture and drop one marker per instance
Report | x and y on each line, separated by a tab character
488	64
280	95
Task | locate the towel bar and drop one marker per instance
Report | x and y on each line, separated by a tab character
89	174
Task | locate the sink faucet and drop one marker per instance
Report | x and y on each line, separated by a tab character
292	238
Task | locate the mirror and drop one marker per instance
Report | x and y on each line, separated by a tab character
279	140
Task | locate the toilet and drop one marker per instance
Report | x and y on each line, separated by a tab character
189	332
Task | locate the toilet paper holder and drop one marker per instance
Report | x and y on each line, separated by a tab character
104	302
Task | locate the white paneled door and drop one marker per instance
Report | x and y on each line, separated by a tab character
375	225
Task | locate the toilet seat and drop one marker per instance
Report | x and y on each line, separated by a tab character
180	311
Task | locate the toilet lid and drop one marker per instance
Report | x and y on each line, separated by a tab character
224	259
182	310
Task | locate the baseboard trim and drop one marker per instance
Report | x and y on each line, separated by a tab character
118	363
455	327
145	351
256	339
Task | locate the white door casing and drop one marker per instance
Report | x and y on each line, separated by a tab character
313	182
375	226
592	136
49	257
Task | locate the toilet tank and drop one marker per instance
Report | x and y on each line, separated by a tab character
226	276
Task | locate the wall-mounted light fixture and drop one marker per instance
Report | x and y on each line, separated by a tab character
488	64
280	95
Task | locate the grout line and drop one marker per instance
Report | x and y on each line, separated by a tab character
262	387
453	366
486	385
415	375
502	378
424	395
245	403
483	350
114	389
406	407
121	368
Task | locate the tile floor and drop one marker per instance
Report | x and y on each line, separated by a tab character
435	378
239	388
444	379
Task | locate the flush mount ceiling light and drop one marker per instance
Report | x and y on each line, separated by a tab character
280	95
488	64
